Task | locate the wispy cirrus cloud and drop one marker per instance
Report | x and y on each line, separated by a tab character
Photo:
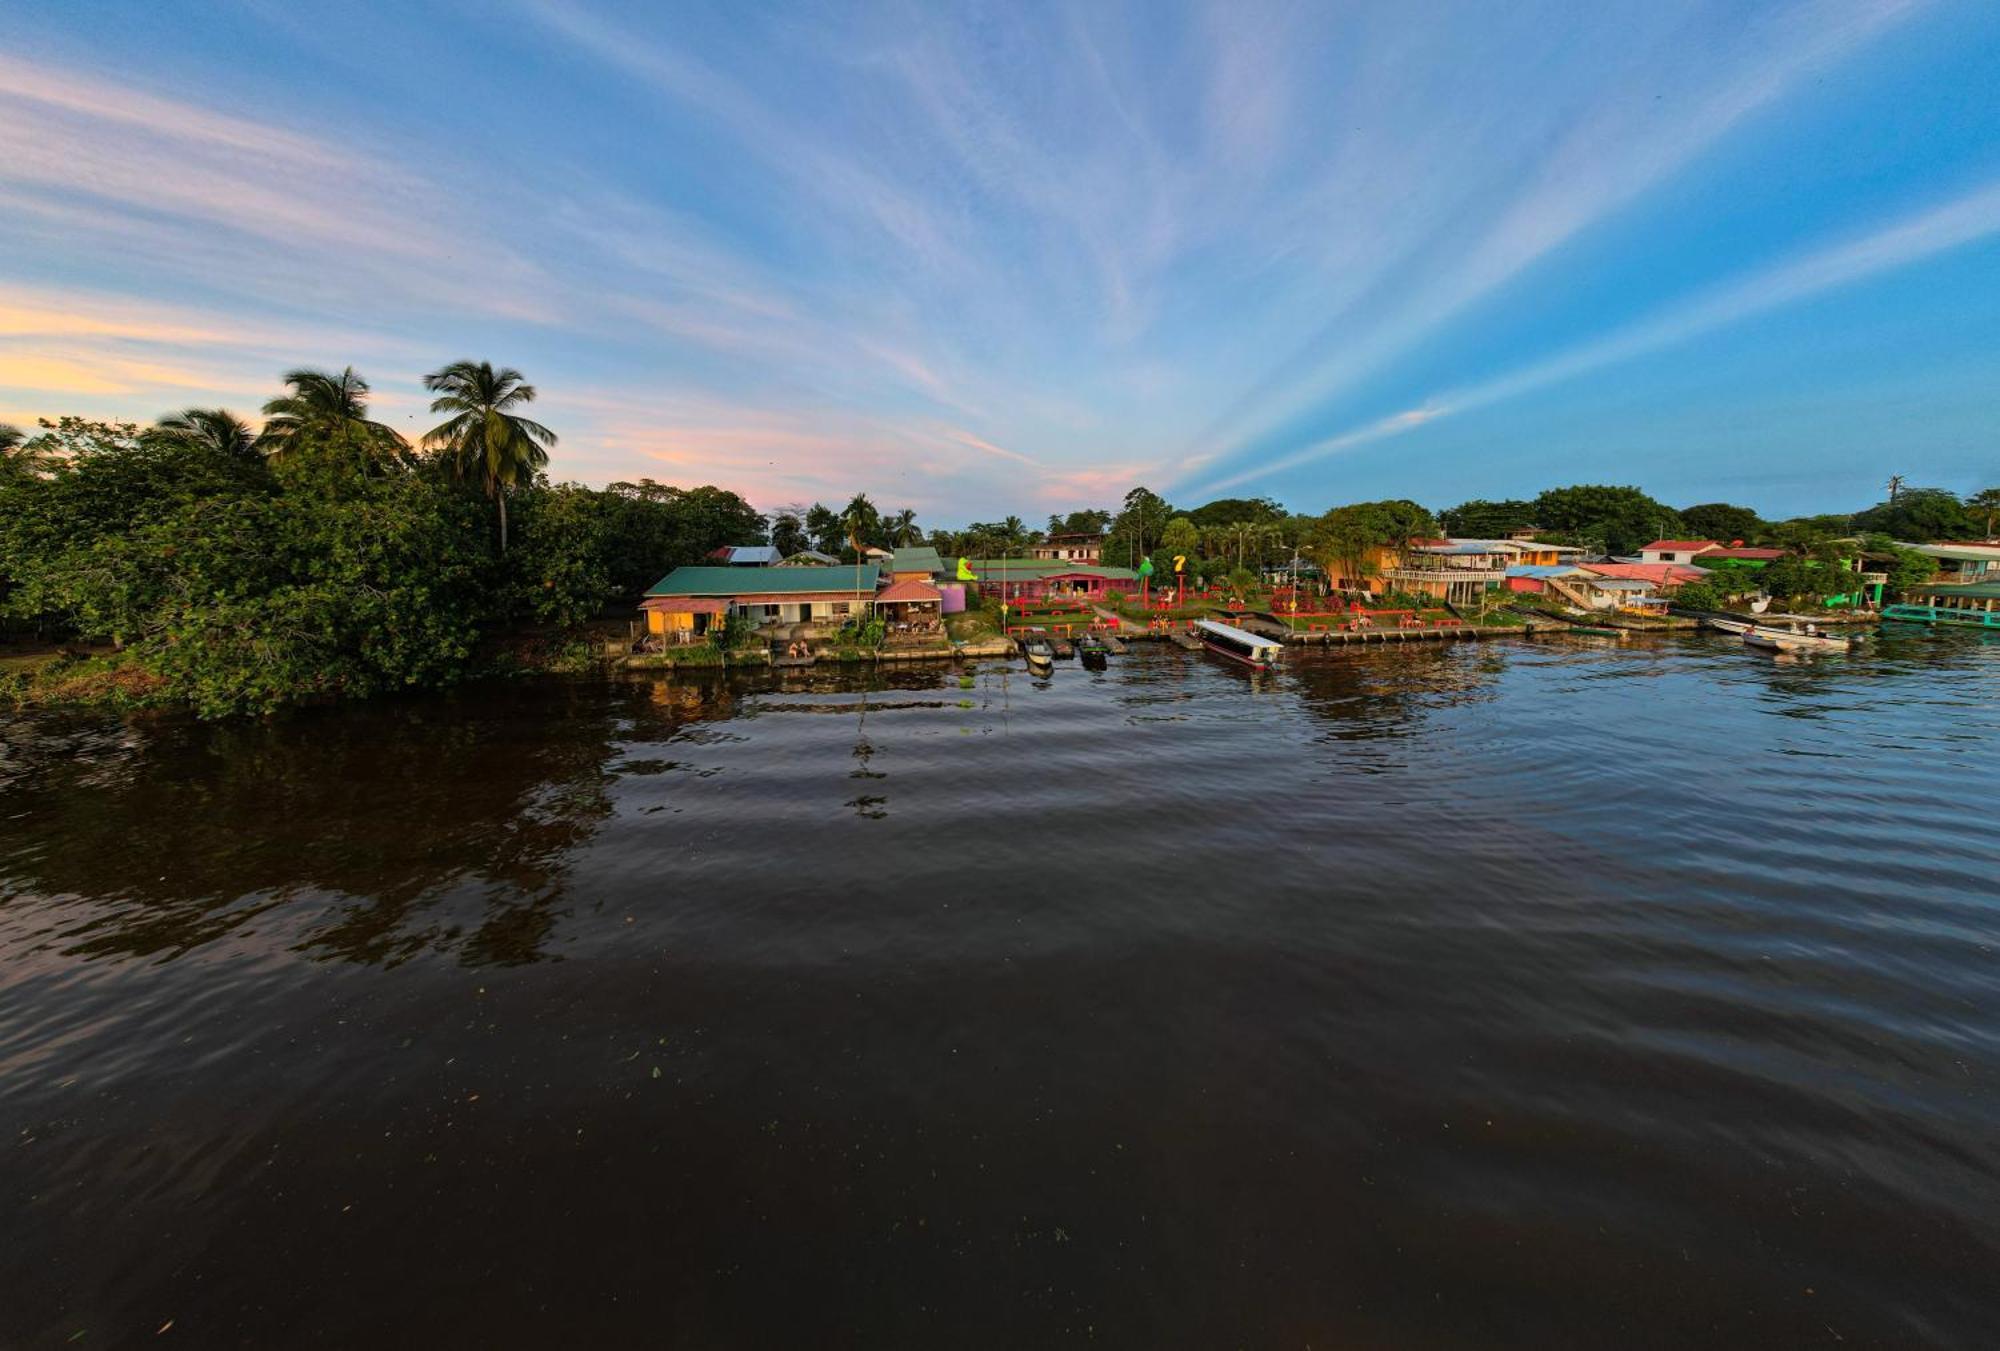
1901	243
1621	141
990	256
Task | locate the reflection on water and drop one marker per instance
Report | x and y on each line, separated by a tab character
1433	995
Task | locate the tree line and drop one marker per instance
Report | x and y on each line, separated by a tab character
325	555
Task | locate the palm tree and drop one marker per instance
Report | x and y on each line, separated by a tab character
481	437
19	458
216	430
903	527
1987	502
1016	531
328	413
863	522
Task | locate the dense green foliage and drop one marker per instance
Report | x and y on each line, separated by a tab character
1721	521
334	563
1616	520
1479	519
1919	515
1348	540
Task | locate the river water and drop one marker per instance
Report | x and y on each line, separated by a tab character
1491	994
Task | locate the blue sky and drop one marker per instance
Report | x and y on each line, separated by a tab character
1019	257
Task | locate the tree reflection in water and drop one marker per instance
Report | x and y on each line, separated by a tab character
440	825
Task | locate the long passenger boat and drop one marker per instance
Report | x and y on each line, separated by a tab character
1253	650
1966	604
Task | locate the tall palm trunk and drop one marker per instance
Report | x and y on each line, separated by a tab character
500	496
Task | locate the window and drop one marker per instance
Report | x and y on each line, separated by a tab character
841	607
770	612
1667	558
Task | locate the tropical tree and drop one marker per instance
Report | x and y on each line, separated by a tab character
1720	521
823	528
215	430
21	458
1481	519
326	416
1352	542
788	531
1919	515
481	439
903	528
1619	519
1986	502
861	521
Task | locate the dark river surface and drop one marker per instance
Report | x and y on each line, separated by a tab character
1500	994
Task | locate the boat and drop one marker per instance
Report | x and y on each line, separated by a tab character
1041	656
1091	650
1736	626
1253	650
1785	640
1974	605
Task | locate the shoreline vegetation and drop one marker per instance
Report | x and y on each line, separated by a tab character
203	564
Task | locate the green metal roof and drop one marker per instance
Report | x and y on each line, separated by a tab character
764	581
920	558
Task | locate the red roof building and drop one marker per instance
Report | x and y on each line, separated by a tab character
1666	576
1675	550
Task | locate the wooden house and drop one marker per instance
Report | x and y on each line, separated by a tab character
686	601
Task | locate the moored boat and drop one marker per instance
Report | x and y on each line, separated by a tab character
1253	650
1974	605
1785	640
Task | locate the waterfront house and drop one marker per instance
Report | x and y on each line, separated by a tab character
911	606
1453	570
1962	563
744	556
765	596
1036	579
1535	554
1675	550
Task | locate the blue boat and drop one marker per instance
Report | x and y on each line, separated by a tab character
1973	605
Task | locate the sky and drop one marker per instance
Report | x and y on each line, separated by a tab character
1017	258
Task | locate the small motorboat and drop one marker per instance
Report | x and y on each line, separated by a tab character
1253	650
1041	656
1091	651
1736	626
1788	640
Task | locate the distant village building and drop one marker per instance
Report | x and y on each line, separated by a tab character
1962	563
744	556
1078	548
1675	550
806	558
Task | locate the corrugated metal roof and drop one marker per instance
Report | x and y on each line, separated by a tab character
911	589
1545	570
1235	634
764	581
921	558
